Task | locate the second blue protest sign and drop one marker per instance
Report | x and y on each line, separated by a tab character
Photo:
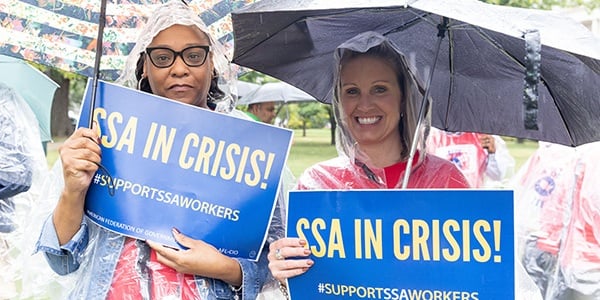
170	165
404	244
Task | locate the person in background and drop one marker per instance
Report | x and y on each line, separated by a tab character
262	111
175	57
23	167
484	159
376	104
557	211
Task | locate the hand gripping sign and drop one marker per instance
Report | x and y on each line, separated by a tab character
404	244
169	165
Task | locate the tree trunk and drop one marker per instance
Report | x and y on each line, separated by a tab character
333	124
60	123
303	128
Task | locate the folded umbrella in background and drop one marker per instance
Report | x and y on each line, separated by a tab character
34	86
478	82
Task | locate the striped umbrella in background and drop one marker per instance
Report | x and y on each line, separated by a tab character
63	33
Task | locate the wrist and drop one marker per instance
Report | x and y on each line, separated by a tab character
231	273
72	195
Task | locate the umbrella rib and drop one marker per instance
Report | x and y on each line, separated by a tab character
300	19
497	45
451	67
419	17
542	79
409	23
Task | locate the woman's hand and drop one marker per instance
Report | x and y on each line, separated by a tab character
200	259
80	155
288	257
488	142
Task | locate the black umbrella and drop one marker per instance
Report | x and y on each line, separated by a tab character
486	68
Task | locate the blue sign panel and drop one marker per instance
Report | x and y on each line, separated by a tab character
405	244
170	165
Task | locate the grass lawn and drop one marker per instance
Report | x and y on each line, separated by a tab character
316	146
312	148
520	151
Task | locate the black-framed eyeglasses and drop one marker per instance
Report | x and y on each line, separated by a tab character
162	57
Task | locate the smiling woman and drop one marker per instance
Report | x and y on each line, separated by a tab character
372	104
376	111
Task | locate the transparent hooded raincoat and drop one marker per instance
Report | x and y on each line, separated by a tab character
558	220
353	169
22	161
105	265
23	168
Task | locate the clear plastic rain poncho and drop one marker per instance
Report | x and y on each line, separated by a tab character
558	220
23	168
352	169
110	265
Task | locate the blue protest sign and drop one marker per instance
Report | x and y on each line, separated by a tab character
170	165
404	244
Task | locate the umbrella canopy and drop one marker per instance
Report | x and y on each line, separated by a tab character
275	92
63	34
478	83
244	88
34	86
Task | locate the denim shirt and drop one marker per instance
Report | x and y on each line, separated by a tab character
93	253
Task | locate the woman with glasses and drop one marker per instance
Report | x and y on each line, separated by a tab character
175	57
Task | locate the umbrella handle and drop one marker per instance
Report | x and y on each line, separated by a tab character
413	147
110	185
101	23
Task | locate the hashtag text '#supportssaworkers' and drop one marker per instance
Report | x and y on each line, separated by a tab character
148	192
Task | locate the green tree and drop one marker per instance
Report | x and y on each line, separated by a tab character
256	77
313	113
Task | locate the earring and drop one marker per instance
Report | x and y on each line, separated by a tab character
139	84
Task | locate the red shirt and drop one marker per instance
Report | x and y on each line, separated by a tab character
139	278
340	173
